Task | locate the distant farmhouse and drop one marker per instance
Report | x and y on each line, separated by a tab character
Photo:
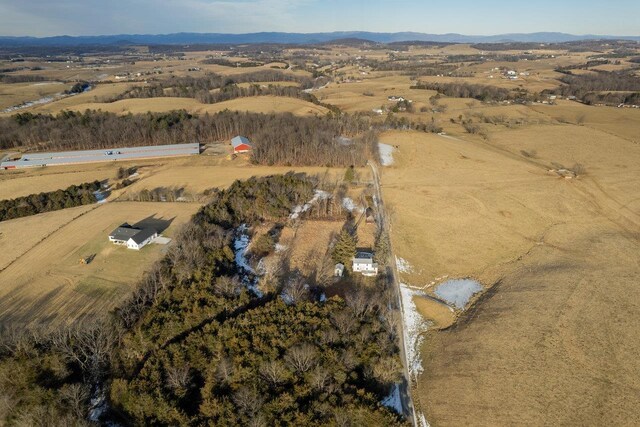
132	237
241	144
363	263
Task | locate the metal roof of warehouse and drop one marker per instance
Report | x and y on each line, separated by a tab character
88	156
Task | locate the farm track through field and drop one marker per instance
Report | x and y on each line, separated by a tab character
47	236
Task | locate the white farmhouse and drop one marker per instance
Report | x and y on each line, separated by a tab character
132	237
363	263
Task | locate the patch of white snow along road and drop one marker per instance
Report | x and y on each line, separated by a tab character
386	154
414	327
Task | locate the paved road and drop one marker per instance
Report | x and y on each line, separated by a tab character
405	392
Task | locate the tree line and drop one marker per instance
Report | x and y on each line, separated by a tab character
33	204
21	78
282	139
622	87
199	87
483	93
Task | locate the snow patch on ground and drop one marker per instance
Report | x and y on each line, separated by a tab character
350	205
403	265
101	196
414	327
393	400
247	274
317	195
422	420
43	100
458	292
386	154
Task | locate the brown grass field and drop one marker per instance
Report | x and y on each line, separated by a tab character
553	337
559	257
257	104
48	285
17	93
28	181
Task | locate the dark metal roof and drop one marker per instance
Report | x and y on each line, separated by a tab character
143	235
124	232
108	154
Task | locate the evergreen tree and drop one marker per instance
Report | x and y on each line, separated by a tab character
345	248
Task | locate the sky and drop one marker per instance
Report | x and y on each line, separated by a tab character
470	17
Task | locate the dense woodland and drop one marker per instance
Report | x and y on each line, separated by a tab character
602	87
195	345
199	87
21	78
214	88
75	195
278	139
483	93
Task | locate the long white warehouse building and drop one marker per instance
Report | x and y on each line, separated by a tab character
105	155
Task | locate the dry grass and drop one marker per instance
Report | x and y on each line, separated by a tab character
440	314
47	284
258	104
200	173
308	243
565	255
28	181
19	235
18	93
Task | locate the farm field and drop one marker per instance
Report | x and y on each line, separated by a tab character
257	104
47	284
41	180
534	197
542	245
18	93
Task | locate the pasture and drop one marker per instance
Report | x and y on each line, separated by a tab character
554	254
46	283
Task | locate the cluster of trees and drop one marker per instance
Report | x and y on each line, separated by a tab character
200	87
200	348
589	88
282	139
162	194
21	78
227	63
234	91
46	376
75	195
591	63
403	123
483	93
78	88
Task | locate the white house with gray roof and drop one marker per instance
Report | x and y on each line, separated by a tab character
363	263
132	237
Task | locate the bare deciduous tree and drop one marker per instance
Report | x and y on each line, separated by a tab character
274	372
75	397
248	400
178	378
301	357
89	344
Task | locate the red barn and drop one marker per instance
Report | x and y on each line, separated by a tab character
240	144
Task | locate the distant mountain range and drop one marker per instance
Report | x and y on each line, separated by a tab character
296	38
